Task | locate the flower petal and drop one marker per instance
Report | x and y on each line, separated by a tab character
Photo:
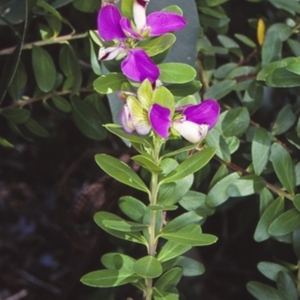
163	22
139	14
109	27
190	131
139	116
207	112
138	66
126	27
110	53
126	120
160	120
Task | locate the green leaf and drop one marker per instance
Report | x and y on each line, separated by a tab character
193	238
108	278
126	8
132	208
69	64
247	41
35	128
261	147
16	115
294	66
291	7
44	69
135	237
286	287
295	46
124	226
87	119
109	83
120	171
267	70
265	199
220	90
6	143
181	221
212	3
118	261
133	137
271	213
190	267
186	89
176	73
233	122
61	103
163	295
148	267
94	60
159	44
283	78
245	186
271	270
18	81
253	96
271	49
284	120
169	280
214	139
217	194
285	223
147	163
224	70
87	6
296	201
233	143
171	250
262	291
190	165
283	166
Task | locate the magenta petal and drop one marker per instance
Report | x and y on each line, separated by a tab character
109	27
163	22
125	24
160	120
207	112
138	66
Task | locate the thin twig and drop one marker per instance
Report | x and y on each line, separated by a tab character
22	103
56	40
270	186
18	296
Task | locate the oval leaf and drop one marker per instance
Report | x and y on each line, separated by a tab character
285	223
148	267
190	165
176	73
283	166
269	214
120	171
44	69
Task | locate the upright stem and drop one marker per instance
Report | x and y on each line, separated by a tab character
153	214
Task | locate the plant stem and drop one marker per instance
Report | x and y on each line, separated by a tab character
59	39
153	214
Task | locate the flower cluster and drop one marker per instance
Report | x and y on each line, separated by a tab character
112	26
150	110
141	114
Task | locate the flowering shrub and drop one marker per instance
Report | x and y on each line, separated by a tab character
206	95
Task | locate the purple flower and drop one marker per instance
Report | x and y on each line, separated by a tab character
192	122
112	26
137	65
155	24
